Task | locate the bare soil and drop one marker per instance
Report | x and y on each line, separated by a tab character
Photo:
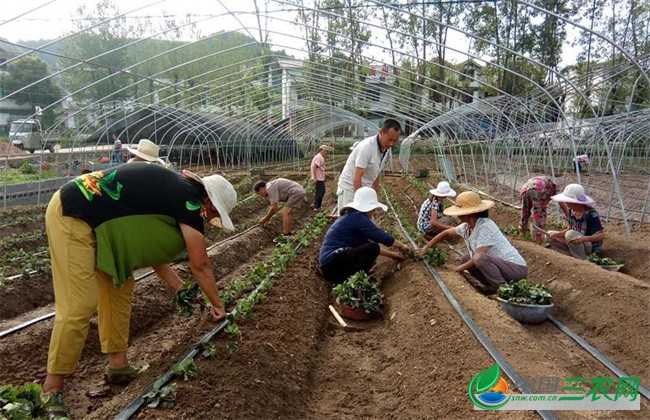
7	149
416	361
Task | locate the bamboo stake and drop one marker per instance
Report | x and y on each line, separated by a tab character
337	316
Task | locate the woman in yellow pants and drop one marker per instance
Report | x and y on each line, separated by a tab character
103	225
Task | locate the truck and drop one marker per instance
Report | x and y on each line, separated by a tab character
28	135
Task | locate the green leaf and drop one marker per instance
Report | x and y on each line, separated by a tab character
361	292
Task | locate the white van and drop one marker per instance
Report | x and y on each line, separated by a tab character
28	135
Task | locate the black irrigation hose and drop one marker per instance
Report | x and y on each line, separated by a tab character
596	353
26	324
478	333
137	403
51	314
36	320
586	346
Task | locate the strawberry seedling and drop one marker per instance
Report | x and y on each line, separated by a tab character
186	369
162	397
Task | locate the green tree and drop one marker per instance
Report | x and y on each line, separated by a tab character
610	71
97	56
507	34
335	38
550	35
442	15
28	81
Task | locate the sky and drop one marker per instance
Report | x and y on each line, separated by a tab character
49	19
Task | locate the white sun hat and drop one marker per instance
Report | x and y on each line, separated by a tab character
365	199
468	202
146	150
326	147
222	195
574	193
443	190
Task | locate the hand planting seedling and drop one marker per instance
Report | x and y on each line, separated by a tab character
187	297
436	256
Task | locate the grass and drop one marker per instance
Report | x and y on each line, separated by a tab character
10	176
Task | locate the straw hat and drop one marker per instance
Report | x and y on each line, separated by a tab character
468	202
365	199
443	190
222	195
146	150
574	193
326	147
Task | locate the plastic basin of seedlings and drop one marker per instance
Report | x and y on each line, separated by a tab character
354	313
615	267
525	313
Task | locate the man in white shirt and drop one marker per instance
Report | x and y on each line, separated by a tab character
366	162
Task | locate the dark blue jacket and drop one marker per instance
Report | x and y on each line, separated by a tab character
349	231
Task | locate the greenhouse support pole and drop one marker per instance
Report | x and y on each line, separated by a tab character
645	203
4	195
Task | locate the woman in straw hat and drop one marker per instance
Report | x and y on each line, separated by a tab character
491	258
103	225
352	242
585	233
432	220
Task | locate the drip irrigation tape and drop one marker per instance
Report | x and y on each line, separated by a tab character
595	353
565	329
26	324
137	278
17	276
230	238
482	338
136	404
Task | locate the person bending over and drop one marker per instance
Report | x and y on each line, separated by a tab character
352	243
491	258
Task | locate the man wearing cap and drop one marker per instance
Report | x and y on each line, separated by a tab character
103	225
366	161
318	175
281	190
352	243
491	258
147	151
585	233
431	219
